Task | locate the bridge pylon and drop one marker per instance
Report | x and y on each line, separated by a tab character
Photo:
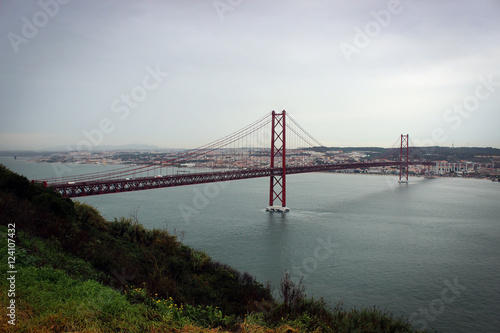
277	189
404	159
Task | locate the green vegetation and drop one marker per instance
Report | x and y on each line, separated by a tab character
78	272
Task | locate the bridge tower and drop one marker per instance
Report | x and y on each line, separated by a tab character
403	159
277	189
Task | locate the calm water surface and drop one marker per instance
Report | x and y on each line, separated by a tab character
429	250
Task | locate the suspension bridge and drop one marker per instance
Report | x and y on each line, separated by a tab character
273	146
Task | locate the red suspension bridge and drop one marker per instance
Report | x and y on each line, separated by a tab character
240	155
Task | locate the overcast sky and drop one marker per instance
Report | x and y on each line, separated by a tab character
184	73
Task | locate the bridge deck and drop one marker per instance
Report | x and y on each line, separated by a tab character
80	189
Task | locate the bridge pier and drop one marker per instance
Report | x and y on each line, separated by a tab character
277	209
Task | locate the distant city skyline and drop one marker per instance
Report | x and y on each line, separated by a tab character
182	74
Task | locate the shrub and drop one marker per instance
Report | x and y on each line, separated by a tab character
88	215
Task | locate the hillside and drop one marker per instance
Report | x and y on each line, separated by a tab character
435	153
74	271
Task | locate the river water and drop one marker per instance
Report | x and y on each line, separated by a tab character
428	250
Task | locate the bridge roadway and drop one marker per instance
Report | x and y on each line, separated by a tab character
87	188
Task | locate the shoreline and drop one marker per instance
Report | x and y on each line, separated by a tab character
34	161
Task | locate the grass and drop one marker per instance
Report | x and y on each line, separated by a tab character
50	299
80	273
